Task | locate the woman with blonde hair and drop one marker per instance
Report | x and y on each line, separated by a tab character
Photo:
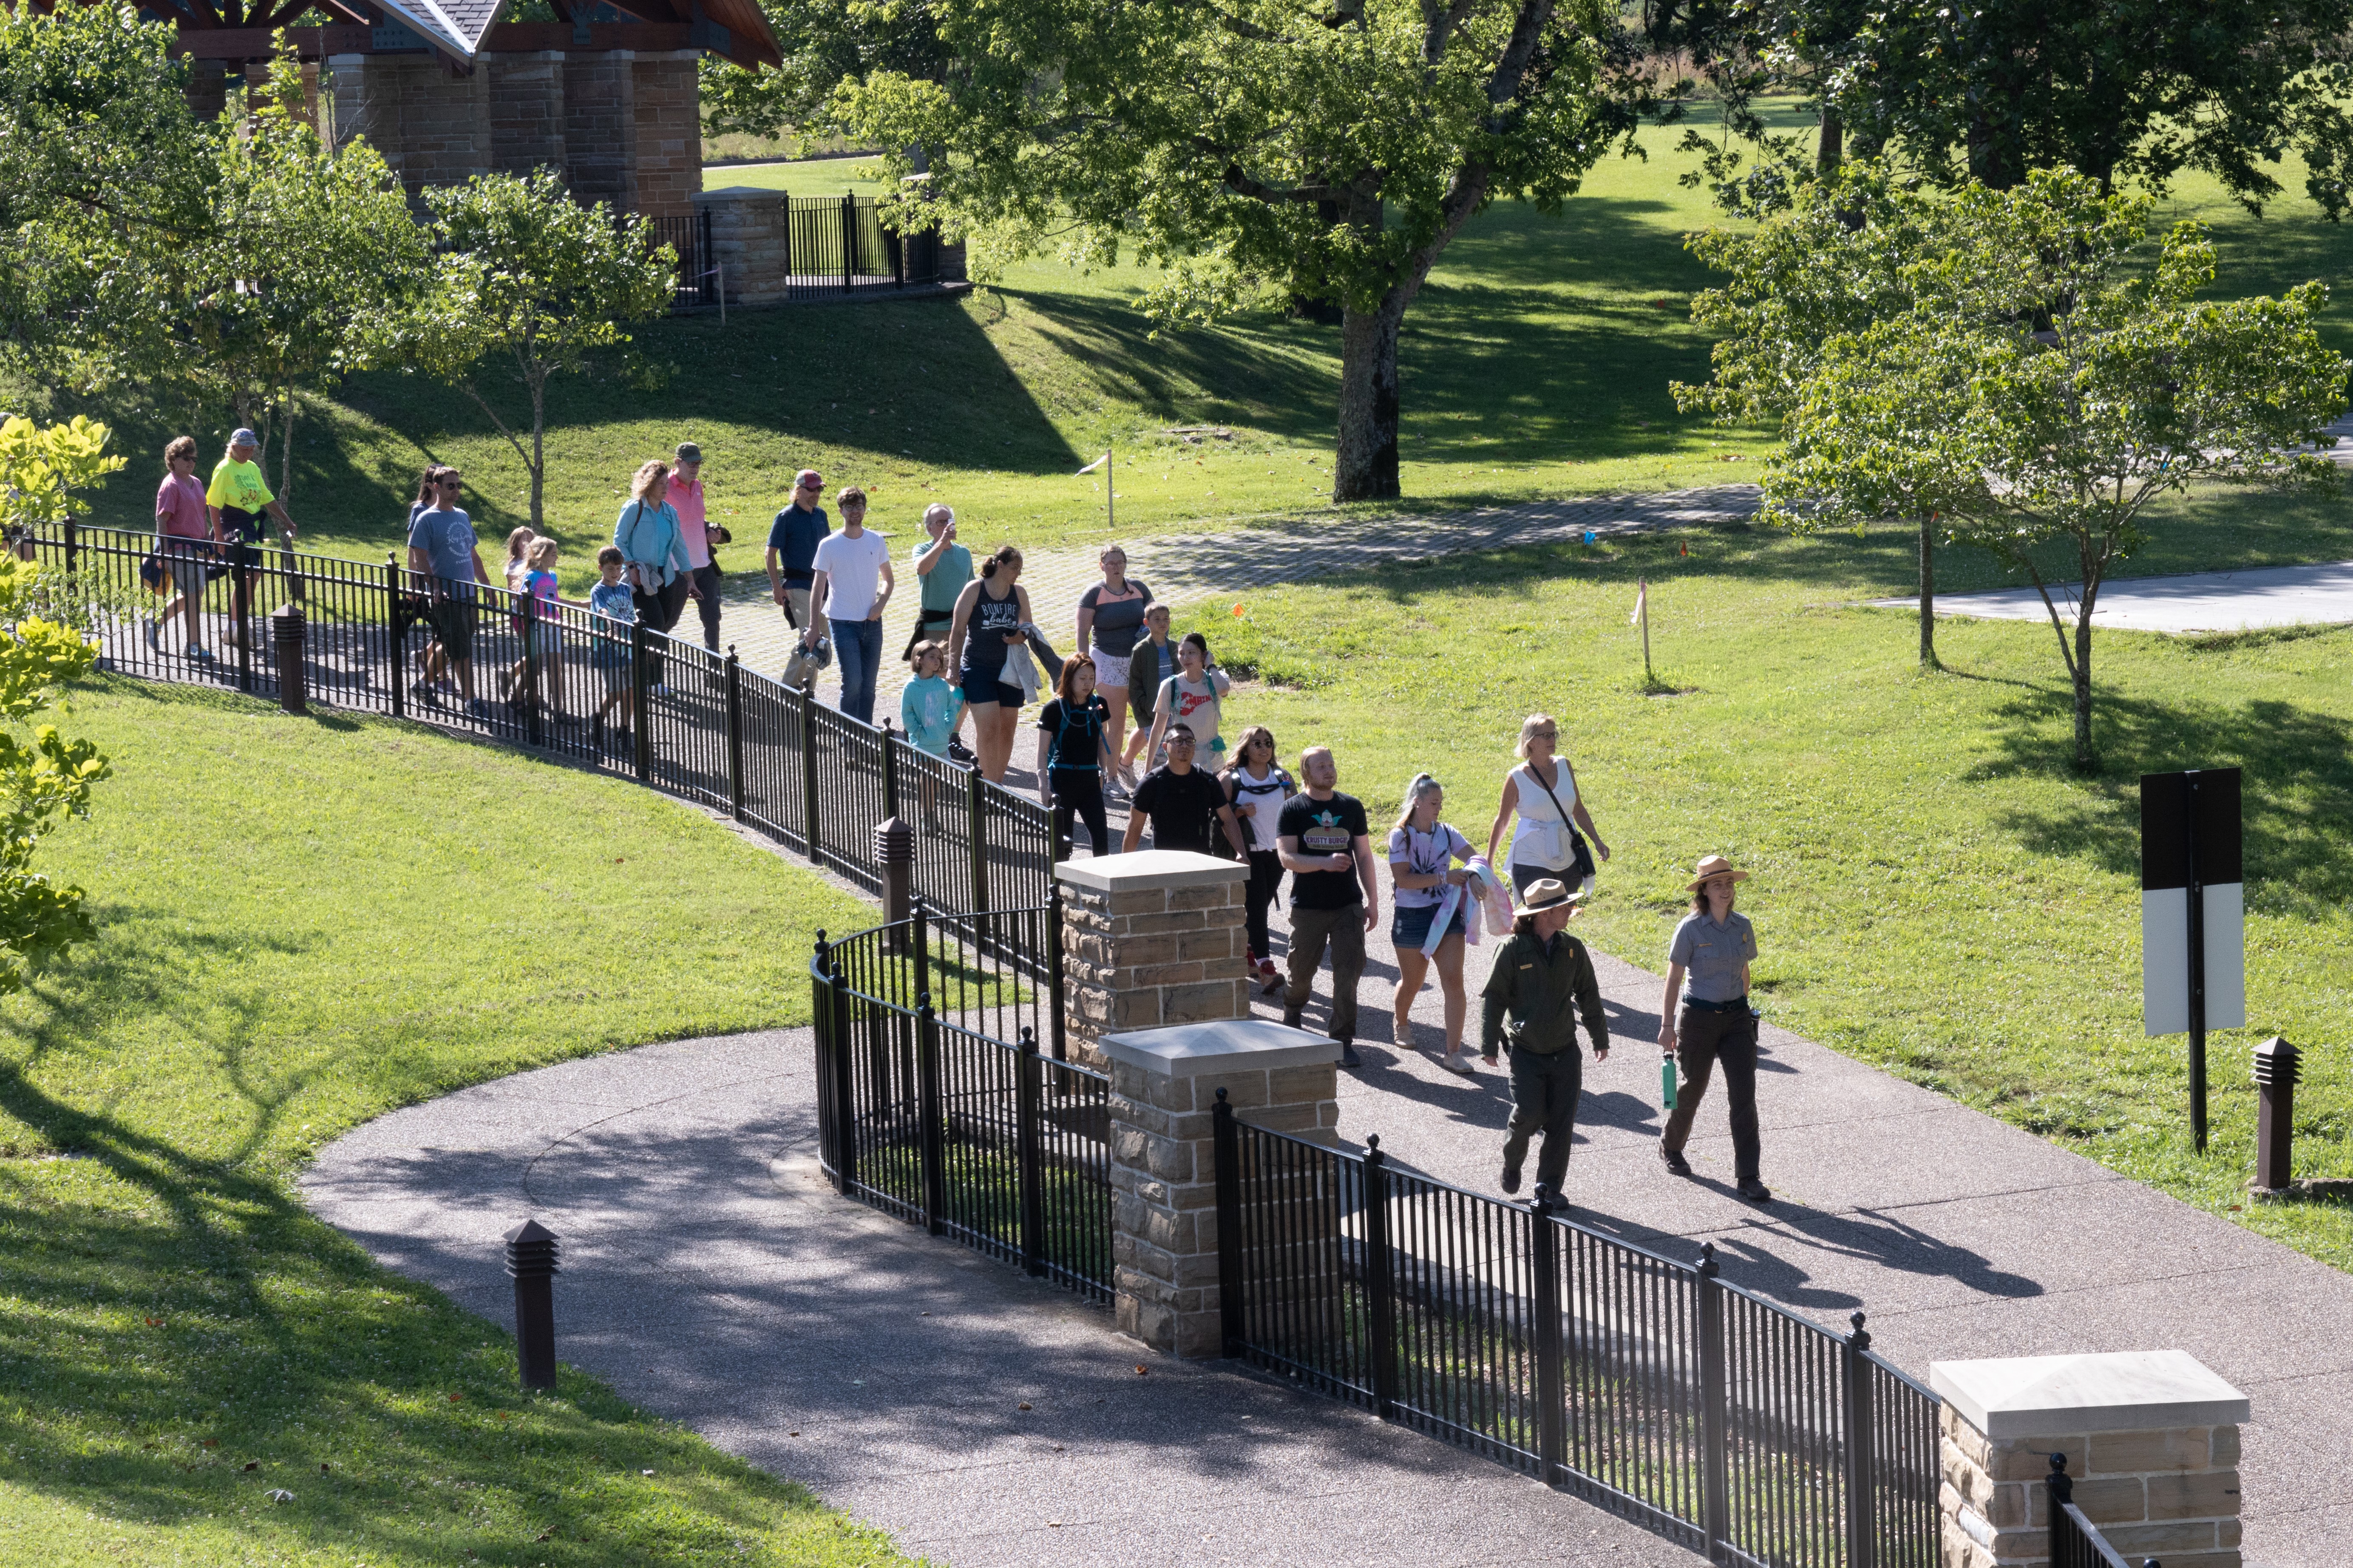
989	616
1543	790
1423	855
185	536
1110	617
653	553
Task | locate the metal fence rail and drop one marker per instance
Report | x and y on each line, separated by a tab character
1649	1386
936	1102
838	246
2075	1541
705	728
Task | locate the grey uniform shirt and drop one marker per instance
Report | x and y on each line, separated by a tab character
1712	955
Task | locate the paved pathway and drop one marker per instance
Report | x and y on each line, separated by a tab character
1182	568
710	1276
2193	602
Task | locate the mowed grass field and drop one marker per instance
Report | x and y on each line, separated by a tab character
304	924
1937	891
1535	363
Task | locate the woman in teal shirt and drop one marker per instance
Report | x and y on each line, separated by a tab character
647	536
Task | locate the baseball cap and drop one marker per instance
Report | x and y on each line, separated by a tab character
688	452
241	437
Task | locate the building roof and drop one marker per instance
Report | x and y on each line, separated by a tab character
737	30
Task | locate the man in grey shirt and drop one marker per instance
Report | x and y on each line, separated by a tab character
1711	950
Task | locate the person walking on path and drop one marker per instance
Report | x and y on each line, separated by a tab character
611	601
1184	803
1324	844
793	540
1111	618
1071	753
648	537
1191	696
1150	664
1256	787
942	567
989	615
445	554
700	538
184	540
1423	855
854	582
238	500
543	663
1543	790
1708	962
1539	972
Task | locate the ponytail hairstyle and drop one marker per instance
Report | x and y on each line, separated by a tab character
1006	556
1194	639
1422	784
518	545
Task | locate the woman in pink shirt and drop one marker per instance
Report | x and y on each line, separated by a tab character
183	541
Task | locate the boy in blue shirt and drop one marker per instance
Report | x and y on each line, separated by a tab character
793	540
611	599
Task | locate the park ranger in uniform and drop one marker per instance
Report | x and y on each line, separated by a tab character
1541	984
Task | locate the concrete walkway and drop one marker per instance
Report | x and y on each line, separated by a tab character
710	1276
2193	602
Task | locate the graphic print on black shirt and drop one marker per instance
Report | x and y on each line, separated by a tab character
1324	827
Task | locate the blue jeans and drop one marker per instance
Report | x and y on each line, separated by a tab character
857	648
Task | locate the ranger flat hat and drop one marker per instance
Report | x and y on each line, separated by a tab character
1550	894
1711	867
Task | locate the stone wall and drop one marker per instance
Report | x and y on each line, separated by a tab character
748	241
527	118
668	170
1149	940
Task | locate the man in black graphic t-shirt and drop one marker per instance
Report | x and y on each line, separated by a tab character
1184	805
1328	850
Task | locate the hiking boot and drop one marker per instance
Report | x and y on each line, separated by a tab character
1348	1056
1755	1190
1673	1160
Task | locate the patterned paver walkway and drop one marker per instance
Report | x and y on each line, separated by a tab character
1185	567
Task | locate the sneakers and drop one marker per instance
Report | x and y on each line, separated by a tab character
1673	1160
1755	1190
960	753
425	693
1458	1063
1511	1179
1348	1056
154	636
1270	978
657	690
200	653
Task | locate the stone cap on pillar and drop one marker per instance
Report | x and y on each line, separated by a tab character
1230	1045
1149	871
739	194
2123	1391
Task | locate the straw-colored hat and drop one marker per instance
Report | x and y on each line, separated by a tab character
1711	867
1548	894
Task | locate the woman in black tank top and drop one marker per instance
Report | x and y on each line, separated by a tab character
989	615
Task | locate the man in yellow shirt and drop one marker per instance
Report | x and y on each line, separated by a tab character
237	499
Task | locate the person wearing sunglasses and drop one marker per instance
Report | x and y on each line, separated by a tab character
1543	790
446	560
793	540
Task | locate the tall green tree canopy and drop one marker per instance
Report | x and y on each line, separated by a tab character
1326	150
825	42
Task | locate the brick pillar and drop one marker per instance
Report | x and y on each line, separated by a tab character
1163	1085
2151	1439
527	119
1150	939
664	96
364	102
600	127
208	88
445	120
748	240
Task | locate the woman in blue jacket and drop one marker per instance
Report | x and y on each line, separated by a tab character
648	535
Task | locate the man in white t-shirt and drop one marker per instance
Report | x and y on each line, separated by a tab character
853	582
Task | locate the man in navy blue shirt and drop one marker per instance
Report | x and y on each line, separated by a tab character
793	540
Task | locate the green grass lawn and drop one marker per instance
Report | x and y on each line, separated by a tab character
1936	892
306	923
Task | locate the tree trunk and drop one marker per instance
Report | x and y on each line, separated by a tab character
2085	760
1367	465
1830	148
1928	593
538	453
286	451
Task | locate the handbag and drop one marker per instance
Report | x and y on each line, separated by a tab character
151	572
1581	852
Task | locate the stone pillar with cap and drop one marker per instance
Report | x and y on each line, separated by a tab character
1149	940
2150	1439
1164	1085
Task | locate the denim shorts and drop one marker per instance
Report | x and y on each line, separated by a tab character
1409	924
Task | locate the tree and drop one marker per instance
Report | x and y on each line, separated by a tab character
1839	258
1322	150
2047	385
44	777
535	284
309	250
824	43
104	180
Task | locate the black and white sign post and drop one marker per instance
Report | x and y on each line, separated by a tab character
2193	913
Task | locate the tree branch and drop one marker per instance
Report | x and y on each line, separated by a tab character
1512	65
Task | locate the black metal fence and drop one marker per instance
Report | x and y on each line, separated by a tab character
2075	1541
598	692
1650	1387
936	1102
838	245
689	237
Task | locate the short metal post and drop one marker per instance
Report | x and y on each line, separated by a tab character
979	835
1552	1408
2278	1065
809	776
73	545
1861	1496
894	855
1029	1156
1056	997
2062	1492
1715	1460
2196	933
1381	1280
396	635
240	620
919	936
849	240
530	1263
929	1114
1228	1145
285	632
734	734
535	731
640	657
890	770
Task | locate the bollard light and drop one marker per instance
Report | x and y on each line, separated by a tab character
285	631
894	852
2277	1067
531	1261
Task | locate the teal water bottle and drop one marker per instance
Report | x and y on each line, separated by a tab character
1667	1082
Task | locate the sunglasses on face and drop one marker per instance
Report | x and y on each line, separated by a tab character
819	486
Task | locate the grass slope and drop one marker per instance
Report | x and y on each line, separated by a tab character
307	922
1936	892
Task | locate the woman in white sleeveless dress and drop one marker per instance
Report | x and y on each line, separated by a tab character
1540	789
